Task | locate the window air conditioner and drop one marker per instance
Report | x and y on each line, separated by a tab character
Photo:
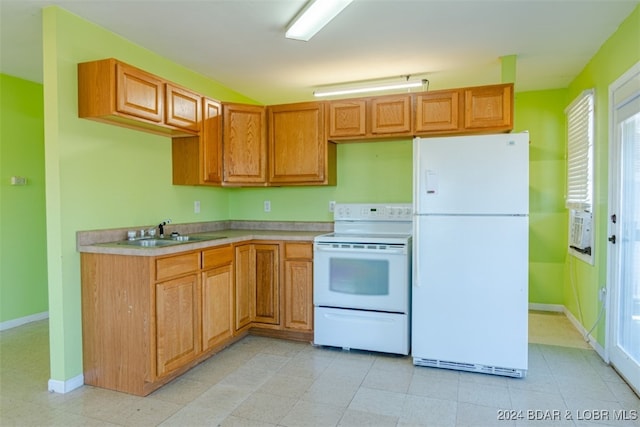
580	231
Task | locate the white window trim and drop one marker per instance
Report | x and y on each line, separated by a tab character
580	175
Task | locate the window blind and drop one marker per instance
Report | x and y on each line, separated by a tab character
580	152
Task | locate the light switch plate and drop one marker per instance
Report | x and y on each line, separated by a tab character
18	180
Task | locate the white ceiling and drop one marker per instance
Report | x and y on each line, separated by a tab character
241	43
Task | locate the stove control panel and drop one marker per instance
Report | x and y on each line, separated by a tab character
373	212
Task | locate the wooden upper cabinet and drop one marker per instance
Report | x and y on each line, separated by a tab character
298	149
197	160
489	108
183	108
113	92
139	93
391	115
438	111
244	144
211	142
347	118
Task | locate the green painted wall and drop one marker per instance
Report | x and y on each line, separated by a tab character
541	113
102	176
367	172
23	271
617	55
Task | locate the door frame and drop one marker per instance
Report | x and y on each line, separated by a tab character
615	154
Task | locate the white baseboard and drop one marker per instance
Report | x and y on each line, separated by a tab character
558	308
57	386
589	338
23	320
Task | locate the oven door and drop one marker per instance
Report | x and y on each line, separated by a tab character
362	276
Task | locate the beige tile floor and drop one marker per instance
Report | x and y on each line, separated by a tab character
269	382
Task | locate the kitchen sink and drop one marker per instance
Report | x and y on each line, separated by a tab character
149	242
167	241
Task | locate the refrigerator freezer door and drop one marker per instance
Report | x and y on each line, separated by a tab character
470	287
485	174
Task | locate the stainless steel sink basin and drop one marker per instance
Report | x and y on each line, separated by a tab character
149	242
167	241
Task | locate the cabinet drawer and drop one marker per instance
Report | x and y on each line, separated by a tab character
298	250
177	265
215	257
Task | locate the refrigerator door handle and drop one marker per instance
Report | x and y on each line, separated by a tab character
416	253
416	176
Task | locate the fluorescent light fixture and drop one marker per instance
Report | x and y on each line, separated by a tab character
374	88
315	15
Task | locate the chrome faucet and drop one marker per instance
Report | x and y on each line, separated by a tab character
161	226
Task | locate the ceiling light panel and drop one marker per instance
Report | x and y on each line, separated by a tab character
315	15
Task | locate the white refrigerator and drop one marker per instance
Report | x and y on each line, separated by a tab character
470	253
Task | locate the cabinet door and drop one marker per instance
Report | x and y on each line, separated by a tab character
438	111
267	307
244	144
244	263
138	93
211	142
183	107
391	114
298	286
217	306
347	118
176	323
489	108
297	145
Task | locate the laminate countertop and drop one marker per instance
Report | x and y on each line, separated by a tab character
112	241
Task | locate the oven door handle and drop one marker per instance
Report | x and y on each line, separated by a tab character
320	247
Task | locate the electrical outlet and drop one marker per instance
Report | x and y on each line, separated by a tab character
196	206
332	205
267	205
602	293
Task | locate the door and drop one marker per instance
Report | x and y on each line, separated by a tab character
360	276
391	114
266	303
245	283
217	309
176	323
297	143
139	93
624	228
486	174
438	111
470	290
244	144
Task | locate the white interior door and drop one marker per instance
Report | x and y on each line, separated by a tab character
624	227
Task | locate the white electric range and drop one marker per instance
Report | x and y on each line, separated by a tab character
362	275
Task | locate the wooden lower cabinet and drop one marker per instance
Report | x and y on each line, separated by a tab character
176	307
217	296
256	292
298	286
146	320
244	265
277	277
267	307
